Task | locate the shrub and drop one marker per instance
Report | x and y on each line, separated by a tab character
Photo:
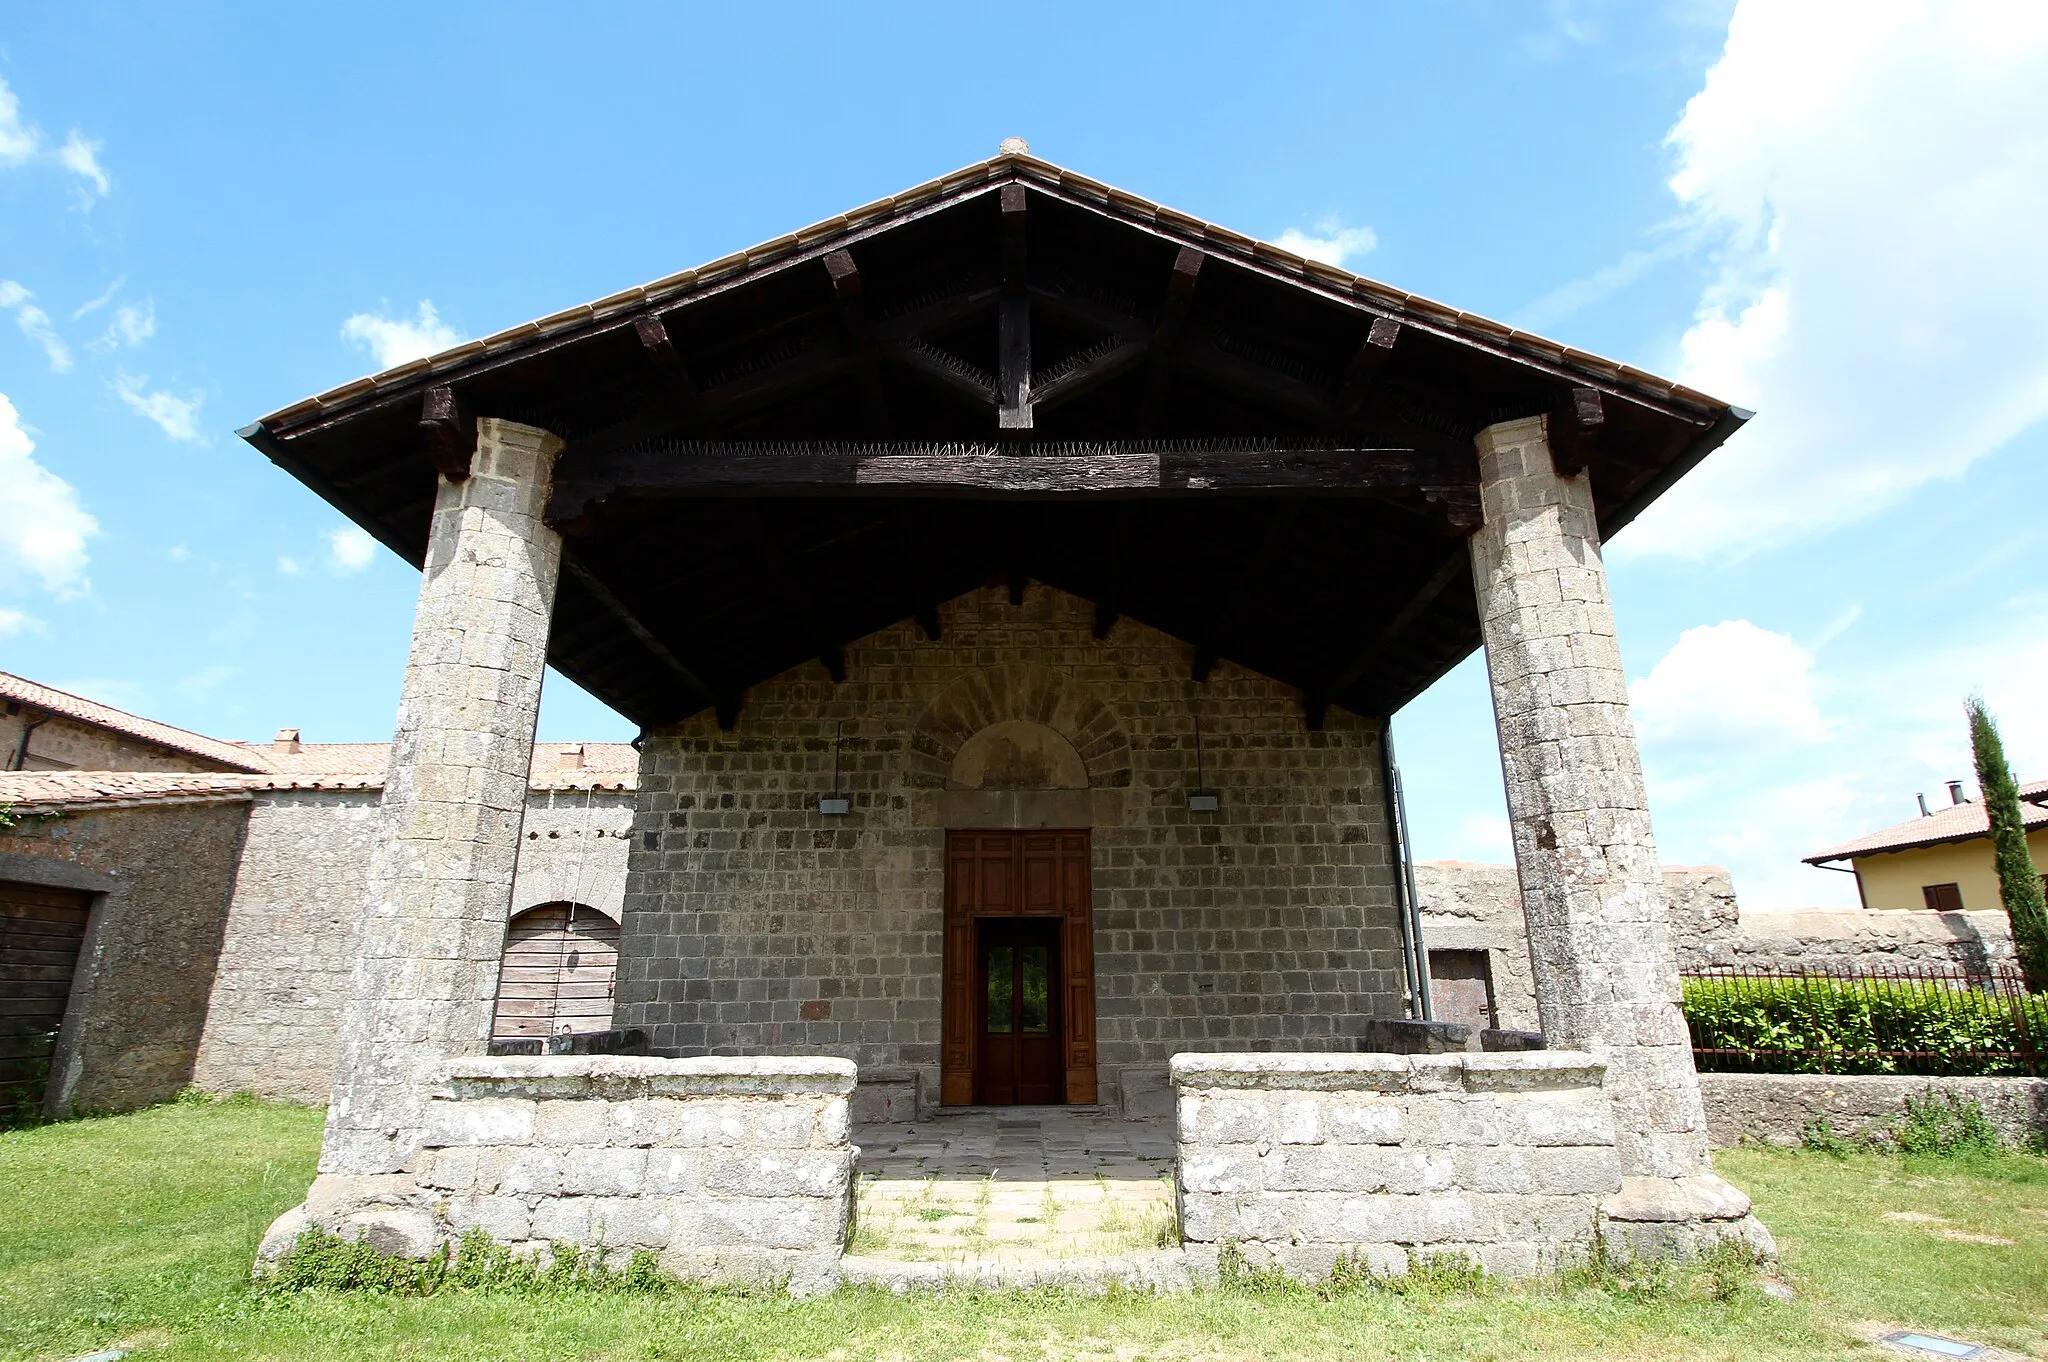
1846	1026
320	1260
1945	1125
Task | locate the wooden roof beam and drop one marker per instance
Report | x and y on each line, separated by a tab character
1574	429
1365	368
1013	343
678	392
995	472
1180	300
846	295
450	432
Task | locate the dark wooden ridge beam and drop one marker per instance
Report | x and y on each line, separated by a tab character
676	389
1180	298
1013	348
1365	368
450	432
1318	698
975	384
1137	469
700	694
846	295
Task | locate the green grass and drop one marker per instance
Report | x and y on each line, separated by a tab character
139	1229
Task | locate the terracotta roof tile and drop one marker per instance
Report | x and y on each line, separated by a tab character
53	701
1956	823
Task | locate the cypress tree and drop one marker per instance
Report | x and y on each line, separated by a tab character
2019	883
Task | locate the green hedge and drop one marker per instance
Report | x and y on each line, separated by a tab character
1844	1026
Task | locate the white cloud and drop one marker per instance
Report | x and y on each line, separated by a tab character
94	305
288	566
18	141
177	417
14	622
81	156
1332	242
21	143
43	529
35	324
392	341
1729	681
131	324
349	549
1876	173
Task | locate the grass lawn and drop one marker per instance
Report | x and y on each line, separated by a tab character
139	1229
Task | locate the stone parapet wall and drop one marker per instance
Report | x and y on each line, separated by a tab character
731	1170
1775	1108
1470	906
1303	1159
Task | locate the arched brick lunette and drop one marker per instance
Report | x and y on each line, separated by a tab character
1028	691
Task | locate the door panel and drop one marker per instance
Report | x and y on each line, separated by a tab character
1026	893
41	930
1020	1061
1461	988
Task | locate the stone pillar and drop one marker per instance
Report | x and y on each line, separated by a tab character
440	886
1600	945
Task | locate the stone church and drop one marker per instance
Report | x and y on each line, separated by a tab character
1011	579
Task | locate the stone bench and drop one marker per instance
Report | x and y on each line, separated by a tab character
1303	1159
729	1169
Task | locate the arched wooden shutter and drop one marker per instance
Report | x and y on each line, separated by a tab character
560	963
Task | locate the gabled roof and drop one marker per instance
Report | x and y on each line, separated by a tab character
50	700
1149	335
1956	823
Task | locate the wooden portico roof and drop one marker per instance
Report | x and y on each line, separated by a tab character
1011	373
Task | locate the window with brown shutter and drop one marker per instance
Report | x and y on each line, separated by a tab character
1943	898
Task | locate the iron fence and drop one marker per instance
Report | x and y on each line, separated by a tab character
1893	1019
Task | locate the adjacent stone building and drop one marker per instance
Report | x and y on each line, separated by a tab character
190	914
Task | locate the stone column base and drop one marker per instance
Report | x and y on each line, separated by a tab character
1681	1218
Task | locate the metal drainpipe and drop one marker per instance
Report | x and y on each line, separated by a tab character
21	749
1411	908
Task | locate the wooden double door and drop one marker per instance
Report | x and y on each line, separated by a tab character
1019	1020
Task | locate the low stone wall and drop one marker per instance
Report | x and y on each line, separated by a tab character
1776	1107
1303	1159
734	1170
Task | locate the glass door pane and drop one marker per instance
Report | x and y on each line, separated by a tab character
1001	966
1035	990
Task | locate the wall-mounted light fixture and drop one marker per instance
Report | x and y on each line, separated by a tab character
835	803
1201	799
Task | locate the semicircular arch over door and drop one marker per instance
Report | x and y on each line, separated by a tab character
561	961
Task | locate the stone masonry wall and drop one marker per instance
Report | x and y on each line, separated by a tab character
728	1169
273	1017
1467	906
138	998
59	743
754	924
1776	1107
1302	1160
283	975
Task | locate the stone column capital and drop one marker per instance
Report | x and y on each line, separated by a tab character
512	452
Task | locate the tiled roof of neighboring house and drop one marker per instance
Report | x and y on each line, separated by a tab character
1956	823
26	791
314	766
1416	309
52	701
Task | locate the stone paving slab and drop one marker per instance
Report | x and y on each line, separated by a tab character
1014	1185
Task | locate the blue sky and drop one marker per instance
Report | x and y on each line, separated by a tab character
1829	213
